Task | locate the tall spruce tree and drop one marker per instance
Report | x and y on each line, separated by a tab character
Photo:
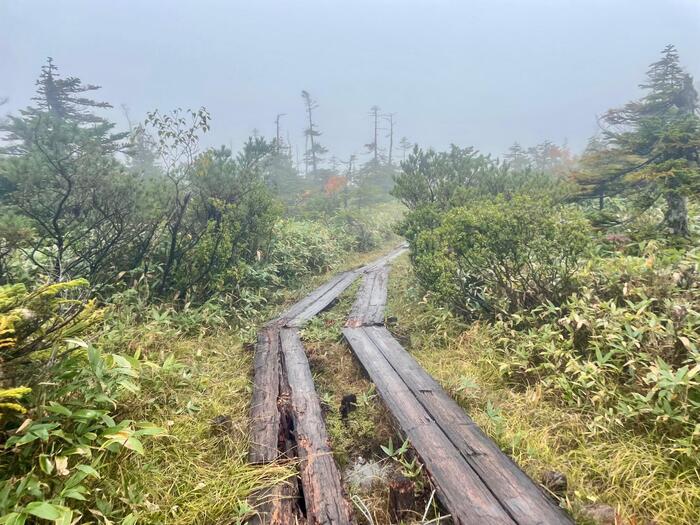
314	150
651	146
62	176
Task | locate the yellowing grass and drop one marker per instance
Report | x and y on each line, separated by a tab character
627	471
199	473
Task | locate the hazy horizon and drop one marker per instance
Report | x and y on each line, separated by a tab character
478	73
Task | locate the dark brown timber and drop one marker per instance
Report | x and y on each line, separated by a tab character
274	506
464	495
265	418
371	300
317	300
515	491
323	491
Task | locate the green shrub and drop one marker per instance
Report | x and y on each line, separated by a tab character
34	321
456	177
503	255
363	230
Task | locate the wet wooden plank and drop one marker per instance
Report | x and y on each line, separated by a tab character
276	505
467	498
519	495
317	300
370	304
264	416
323	491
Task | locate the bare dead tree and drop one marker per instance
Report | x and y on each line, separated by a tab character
389	117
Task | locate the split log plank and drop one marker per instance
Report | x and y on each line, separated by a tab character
323	491
514	489
370	304
459	488
317	300
264	416
275	506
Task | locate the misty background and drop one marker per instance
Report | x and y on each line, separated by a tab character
480	73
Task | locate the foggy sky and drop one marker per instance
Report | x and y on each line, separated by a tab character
473	72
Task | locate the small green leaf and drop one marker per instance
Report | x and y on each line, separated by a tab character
57	408
45	510
87	469
134	444
45	464
14	518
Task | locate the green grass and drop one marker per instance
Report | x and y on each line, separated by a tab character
200	369
628	472
198	472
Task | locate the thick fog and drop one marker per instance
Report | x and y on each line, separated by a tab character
473	72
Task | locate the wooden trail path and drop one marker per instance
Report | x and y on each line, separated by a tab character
474	480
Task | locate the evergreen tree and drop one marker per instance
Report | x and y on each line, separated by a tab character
517	158
314	150
64	98
650	147
61	174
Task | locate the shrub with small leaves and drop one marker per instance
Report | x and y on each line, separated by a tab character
499	256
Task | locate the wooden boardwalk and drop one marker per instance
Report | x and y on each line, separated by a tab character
474	480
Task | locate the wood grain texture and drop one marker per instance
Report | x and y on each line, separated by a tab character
522	498
370	304
276	505
324	496
264	416
300	313
459	487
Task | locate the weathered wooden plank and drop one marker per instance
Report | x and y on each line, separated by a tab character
386	259
317	300
370	304
459	487
377	301
323	491
264	416
521	497
275	506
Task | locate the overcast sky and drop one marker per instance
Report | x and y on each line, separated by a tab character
471	72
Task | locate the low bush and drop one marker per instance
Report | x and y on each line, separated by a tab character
499	256
301	248
364	230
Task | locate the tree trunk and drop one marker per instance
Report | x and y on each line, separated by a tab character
676	216
174	234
